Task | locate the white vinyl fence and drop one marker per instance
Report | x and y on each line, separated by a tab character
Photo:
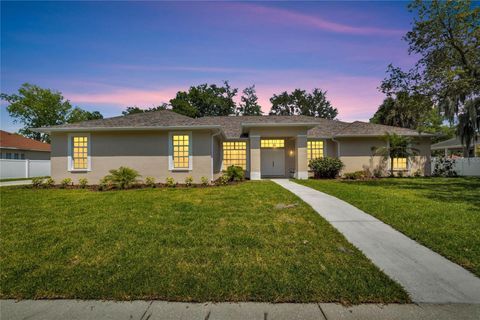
10	168
465	166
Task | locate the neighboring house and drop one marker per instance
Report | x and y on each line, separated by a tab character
165	144
455	146
17	147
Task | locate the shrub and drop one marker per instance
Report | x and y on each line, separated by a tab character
235	173
417	173
49	182
326	167
170	182
123	177
82	182
189	181
104	183
150	182
377	172
444	167
37	182
400	174
357	175
205	181
65	182
223	180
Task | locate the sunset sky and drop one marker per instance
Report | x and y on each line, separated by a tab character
109	55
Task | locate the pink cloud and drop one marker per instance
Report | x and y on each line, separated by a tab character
206	69
124	97
289	17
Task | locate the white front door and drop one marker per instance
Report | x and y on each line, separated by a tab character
273	162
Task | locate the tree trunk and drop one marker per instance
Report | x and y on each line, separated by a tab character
391	167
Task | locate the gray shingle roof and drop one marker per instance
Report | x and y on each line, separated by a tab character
452	143
359	128
232	125
160	118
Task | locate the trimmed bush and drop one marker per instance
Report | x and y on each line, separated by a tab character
37	182
235	173
150	182
104	184
205	181
325	168
83	182
49	182
65	182
123	177
223	180
417	173
170	182
357	175
189	181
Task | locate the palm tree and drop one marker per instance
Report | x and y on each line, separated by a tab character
469	124
397	147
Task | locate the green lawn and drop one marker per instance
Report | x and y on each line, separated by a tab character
202	244
443	214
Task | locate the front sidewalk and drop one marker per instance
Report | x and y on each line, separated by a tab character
153	310
425	275
15	183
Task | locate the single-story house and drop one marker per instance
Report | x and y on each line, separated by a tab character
165	144
15	146
455	146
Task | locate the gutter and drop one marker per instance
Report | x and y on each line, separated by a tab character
83	129
219	131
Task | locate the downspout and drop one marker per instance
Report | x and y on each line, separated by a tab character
338	147
211	152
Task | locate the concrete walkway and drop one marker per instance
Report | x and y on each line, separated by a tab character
153	310
15	183
425	275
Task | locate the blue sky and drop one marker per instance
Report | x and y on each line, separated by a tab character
109	55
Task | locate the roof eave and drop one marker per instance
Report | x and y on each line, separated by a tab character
425	135
103	129
288	124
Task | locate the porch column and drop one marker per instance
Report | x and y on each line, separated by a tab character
255	173
301	165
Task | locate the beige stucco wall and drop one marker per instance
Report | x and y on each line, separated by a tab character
29	154
217	157
146	152
290	153
357	155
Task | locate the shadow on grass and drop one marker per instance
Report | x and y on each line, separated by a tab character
461	189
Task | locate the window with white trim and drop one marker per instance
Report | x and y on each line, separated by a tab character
79	152
181	151
399	163
235	154
314	149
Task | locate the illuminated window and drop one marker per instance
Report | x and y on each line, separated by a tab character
181	151
314	149
399	163
235	154
272	143
80	152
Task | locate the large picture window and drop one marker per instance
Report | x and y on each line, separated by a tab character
80	152
314	149
272	143
399	163
235	154
181	151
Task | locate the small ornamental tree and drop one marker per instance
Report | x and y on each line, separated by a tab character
397	147
123	177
